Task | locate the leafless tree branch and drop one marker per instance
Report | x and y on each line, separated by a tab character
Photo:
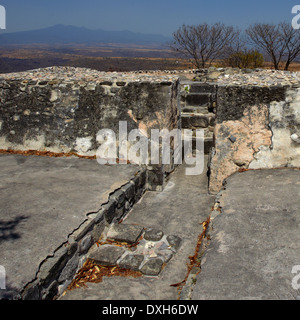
281	42
203	43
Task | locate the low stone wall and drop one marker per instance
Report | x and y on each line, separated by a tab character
61	109
256	127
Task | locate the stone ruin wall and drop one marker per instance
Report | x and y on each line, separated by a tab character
61	110
255	115
256	128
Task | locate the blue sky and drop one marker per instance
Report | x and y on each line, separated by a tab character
151	16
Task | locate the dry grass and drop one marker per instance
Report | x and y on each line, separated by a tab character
94	273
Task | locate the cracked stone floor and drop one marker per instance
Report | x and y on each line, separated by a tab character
254	252
253	239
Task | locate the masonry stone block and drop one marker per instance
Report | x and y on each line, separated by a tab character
125	233
131	261
98	230
109	211
197	99
106	255
152	267
153	234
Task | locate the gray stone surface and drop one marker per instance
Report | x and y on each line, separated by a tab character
131	261
174	242
166	255
255	241
128	233
43	200
153	234
106	255
152	267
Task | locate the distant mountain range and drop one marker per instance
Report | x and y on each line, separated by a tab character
62	34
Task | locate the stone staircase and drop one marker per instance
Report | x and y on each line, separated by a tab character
198	107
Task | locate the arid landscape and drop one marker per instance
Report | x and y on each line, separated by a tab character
102	57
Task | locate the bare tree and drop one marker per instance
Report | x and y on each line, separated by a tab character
203	43
291	38
280	42
267	37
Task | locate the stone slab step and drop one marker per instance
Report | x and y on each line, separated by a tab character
190	109
148	256
106	255
190	121
208	144
128	233
197	99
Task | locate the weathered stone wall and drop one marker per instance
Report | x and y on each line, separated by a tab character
256	127
63	109
64	115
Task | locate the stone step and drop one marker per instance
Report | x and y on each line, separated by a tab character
125	233
197	99
197	120
190	109
151	249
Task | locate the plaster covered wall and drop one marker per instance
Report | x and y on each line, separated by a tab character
256	127
284	122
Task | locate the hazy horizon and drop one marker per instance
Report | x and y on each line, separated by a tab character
161	17
92	29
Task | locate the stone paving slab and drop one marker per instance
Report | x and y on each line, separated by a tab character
125	233
129	248
255	241
106	255
131	261
42	201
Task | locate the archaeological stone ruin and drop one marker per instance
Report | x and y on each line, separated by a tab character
250	121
